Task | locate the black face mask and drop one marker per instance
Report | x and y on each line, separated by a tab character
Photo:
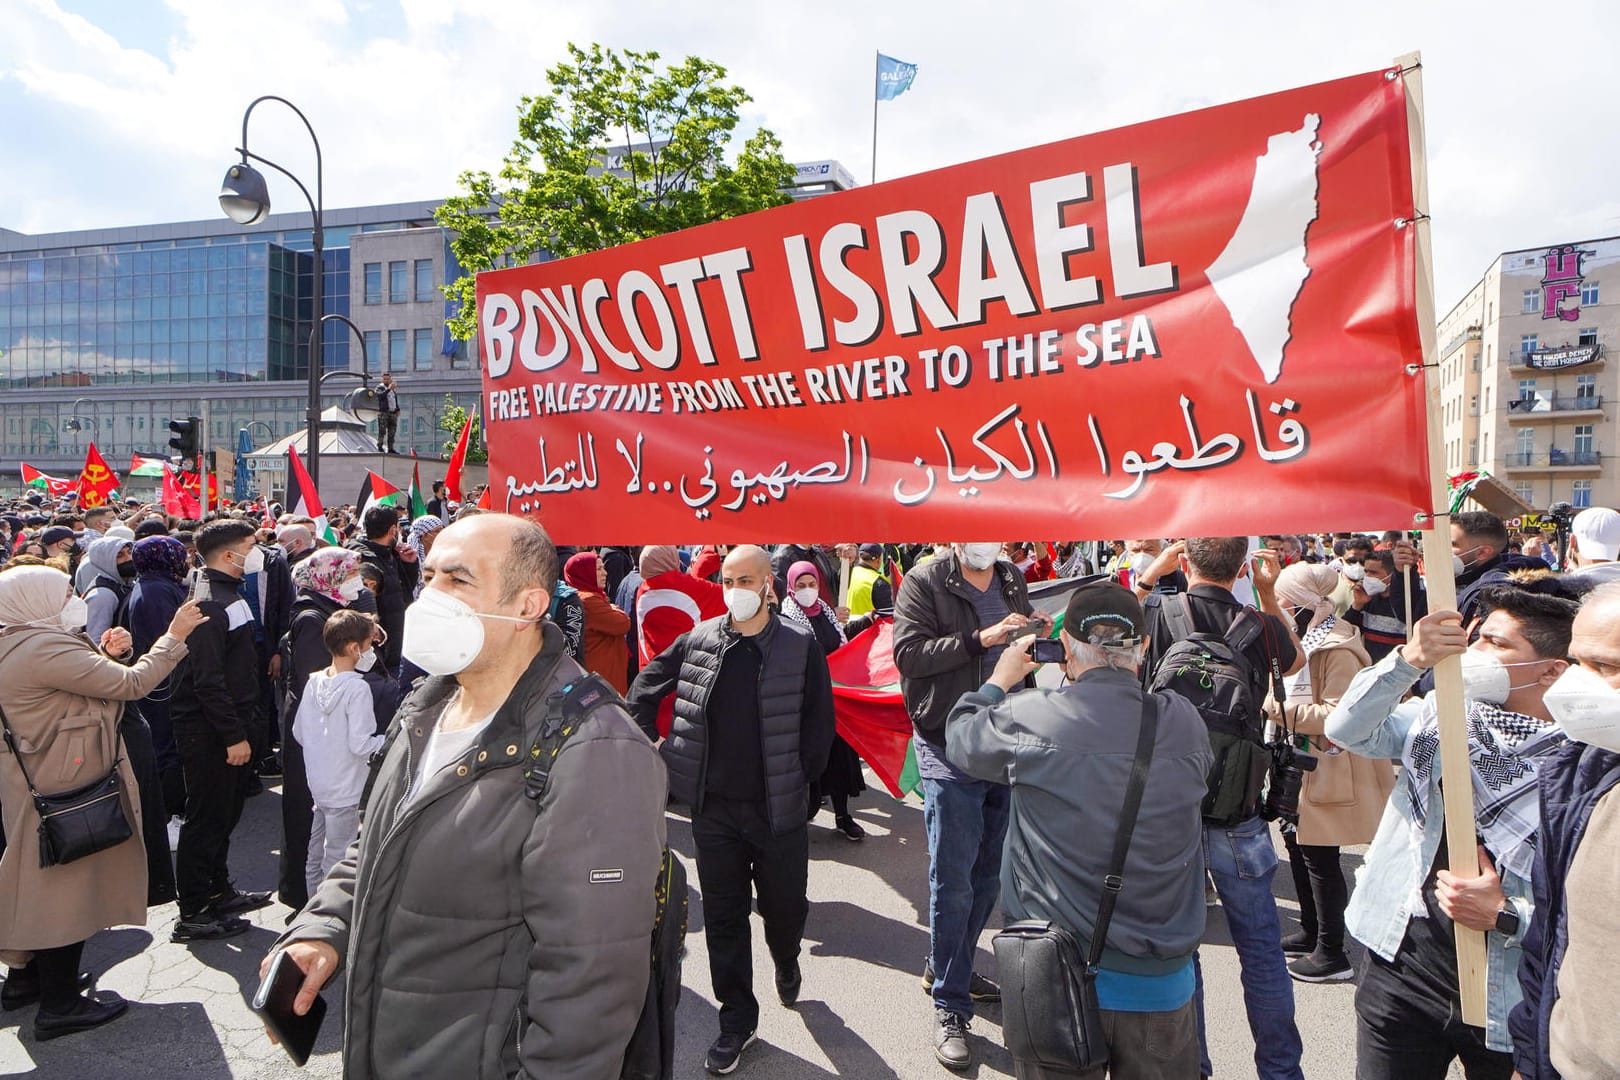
126	570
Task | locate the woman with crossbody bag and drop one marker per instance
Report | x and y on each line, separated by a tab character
74	863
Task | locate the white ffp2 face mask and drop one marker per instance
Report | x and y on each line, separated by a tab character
1374	586
980	556
1585	707
75	613
443	635
806	597
1485	678
743	604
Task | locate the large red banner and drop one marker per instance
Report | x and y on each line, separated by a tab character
1199	325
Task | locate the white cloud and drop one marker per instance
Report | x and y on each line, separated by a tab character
405	94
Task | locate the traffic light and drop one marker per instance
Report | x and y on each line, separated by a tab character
187	437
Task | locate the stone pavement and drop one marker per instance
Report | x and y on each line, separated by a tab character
862	1012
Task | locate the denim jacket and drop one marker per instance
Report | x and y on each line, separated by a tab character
1371	720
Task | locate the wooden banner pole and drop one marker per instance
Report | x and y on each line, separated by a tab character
1455	769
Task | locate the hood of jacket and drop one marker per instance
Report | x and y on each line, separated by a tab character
103	555
328	688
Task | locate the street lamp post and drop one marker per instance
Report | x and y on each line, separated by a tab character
245	198
76	420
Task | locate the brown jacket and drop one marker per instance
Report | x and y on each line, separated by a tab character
1343	800
63	701
607	650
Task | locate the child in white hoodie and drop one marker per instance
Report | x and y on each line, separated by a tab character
337	728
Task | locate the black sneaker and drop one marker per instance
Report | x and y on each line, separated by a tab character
237	902
86	1013
270	767
950	1040
1299	943
788	983
726	1052
209	927
979	987
850	828
1321	967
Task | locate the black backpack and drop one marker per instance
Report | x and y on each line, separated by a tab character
1213	673
650	1054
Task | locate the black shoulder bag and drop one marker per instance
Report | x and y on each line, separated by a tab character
80	822
1049	1012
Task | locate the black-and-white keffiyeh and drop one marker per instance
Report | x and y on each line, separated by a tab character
1299	685
794	613
1506	750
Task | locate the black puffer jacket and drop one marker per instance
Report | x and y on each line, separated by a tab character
936	639
795	711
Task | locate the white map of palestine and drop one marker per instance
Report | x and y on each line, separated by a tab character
1260	274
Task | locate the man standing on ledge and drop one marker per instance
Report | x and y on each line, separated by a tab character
387	415
753	724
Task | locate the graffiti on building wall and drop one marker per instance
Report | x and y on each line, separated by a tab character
1561	281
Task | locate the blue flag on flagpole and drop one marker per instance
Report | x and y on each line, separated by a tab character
893	77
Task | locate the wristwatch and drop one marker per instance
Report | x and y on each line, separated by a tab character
1507	921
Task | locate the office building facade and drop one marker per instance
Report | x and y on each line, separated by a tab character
1527	390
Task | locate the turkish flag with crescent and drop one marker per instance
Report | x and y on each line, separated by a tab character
96	482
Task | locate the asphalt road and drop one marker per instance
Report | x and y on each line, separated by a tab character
863	1012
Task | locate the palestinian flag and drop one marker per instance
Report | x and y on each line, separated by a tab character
375	491
1052	597
417	503
48	484
302	499
146	466
871	714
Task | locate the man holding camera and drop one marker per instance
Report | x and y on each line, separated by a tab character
1408	1006
1261	648
1068	755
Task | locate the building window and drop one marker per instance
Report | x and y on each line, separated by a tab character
396	350
373	283
1589	293
399	285
424	280
1527	344
1527	444
1588	336
1580	494
374	350
1473	405
1531	302
1586	387
1583	438
422	349
1527	389
1526	491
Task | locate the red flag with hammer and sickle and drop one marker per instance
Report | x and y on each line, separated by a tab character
97	481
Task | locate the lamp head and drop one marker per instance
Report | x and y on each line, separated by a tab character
243	195
362	402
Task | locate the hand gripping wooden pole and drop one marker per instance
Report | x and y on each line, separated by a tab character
1456	774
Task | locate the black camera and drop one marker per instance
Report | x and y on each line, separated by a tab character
1288	769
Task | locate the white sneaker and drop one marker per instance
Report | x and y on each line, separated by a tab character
174	834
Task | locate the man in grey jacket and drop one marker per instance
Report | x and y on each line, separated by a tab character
1068	755
485	934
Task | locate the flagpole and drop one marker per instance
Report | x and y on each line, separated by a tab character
877	71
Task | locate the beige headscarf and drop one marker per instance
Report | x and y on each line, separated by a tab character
658	559
32	595
1308	586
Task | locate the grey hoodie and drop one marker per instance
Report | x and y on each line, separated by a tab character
1068	754
103	602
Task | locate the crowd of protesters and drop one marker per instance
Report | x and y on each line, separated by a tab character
399	678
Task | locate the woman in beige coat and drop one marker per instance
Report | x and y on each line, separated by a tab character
1343	799
62	701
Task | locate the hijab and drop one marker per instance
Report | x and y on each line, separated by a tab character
793	611
1307	586
324	572
160	557
798	570
32	596
658	559
580	572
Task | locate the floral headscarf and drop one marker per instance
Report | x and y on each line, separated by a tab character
161	557
325	571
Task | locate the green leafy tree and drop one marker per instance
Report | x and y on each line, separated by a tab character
666	131
451	419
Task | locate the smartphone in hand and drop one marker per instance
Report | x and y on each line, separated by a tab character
274	1002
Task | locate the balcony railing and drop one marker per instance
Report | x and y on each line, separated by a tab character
1551	403
1555	459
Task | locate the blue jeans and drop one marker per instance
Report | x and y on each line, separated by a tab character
967	825
1243	862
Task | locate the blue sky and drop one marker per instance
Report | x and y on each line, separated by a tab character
125	111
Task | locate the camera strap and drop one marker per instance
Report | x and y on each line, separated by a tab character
1115	881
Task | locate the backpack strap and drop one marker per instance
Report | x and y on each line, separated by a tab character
566	709
1179	615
